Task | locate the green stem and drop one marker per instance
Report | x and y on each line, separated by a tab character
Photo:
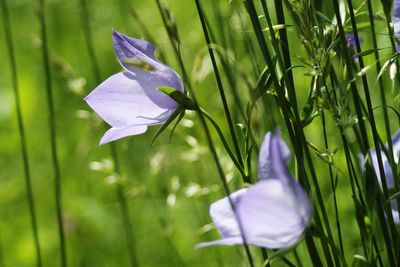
205	128
219	83
333	186
21	129
371	117
314	255
390	155
53	133
225	144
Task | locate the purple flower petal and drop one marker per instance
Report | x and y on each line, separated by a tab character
274	155
125	99
395	211
396	18
223	216
387	169
273	213
351	40
385	161
117	133
137	56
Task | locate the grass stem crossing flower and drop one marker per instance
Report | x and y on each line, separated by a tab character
272	213
387	169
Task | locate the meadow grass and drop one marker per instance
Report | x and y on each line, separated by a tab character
248	67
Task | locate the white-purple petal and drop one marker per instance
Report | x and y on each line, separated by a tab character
143	46
118	133
137	56
125	99
387	168
274	215
395	211
385	161
223	216
270	213
273	158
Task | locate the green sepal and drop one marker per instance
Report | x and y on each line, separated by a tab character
164	126
179	98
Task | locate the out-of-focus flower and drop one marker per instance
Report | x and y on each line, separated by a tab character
387	169
351	40
273	213
130	101
396	20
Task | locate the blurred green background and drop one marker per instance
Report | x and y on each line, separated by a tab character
168	186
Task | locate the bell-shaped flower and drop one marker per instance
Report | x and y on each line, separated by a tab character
272	213
387	169
130	100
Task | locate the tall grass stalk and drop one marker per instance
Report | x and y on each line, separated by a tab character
220	88
295	131
120	188
333	185
289	83
175	43
24	151
53	132
387	230
390	155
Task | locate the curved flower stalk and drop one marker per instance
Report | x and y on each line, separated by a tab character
272	213
130	100
387	169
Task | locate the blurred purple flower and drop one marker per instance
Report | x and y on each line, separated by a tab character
129	101
272	213
396	21
351	40
387	169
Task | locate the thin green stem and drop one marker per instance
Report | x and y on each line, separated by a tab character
205	127
219	84
21	129
224	142
282	103
226	65
371	117
333	185
53	133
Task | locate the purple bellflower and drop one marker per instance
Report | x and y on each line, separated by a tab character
387	169
130	101
272	213
396	21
